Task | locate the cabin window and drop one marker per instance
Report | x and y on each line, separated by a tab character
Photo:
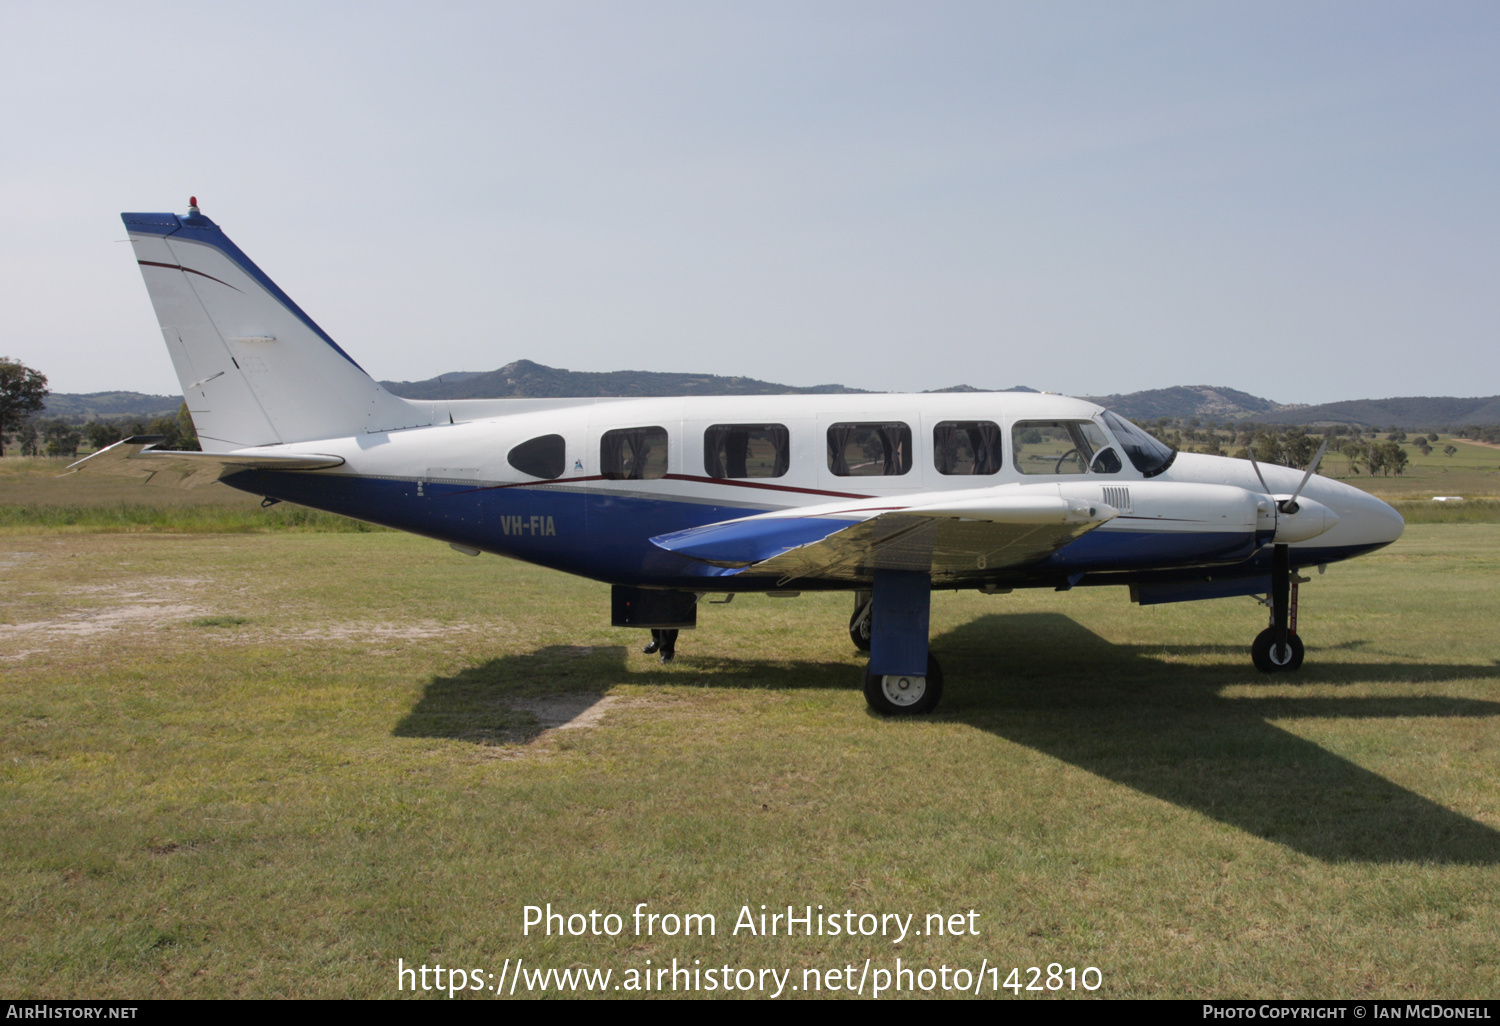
1062	447
869	450
966	447
633	454
546	456
746	450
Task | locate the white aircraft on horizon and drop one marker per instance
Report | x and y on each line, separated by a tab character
671	499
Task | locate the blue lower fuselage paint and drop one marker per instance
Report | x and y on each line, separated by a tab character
604	535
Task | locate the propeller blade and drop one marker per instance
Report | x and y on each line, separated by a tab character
1263	486
1290	505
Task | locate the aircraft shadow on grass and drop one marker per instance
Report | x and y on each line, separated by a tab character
1114	710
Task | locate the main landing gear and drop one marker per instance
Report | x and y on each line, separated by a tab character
1277	649
891	621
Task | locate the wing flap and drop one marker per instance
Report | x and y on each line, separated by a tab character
137	457
948	548
949	536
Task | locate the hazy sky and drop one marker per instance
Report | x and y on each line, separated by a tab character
1295	199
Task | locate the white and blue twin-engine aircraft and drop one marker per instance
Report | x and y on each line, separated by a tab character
672	499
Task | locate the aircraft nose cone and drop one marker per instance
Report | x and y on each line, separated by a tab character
1386	522
1373	521
1364	522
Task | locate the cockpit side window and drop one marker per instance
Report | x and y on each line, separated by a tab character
1148	455
546	456
1062	447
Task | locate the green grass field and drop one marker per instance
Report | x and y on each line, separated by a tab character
274	764
1474	470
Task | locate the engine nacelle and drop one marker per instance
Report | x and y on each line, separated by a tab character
1311	519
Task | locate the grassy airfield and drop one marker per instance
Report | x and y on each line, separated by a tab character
273	764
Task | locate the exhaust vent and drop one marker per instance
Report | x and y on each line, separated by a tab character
1117	497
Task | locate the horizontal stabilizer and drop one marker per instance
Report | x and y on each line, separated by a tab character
136	457
950	536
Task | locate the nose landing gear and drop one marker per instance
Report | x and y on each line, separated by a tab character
1277	649
1271	657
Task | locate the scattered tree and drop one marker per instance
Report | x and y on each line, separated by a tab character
62	438
1386	457
1356	453
1298	448
101	435
177	432
1268	448
23	391
29	439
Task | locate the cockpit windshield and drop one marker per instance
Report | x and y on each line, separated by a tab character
1148	455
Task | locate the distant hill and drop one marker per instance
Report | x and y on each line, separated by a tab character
524	378
971	388
82	407
1206	402
1410	413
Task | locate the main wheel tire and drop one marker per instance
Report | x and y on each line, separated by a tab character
895	695
859	623
1272	658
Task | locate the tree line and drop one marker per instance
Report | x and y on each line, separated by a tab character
23	395
1363	448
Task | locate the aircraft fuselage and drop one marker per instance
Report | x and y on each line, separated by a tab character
453	482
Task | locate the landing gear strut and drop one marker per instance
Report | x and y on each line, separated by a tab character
1277	649
859	621
903	678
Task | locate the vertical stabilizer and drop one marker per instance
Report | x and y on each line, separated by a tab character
255	369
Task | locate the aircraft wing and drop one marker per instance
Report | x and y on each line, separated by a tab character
948	536
137	457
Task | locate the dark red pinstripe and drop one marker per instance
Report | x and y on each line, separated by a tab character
188	270
675	477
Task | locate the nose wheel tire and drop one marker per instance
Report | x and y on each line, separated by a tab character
1269	657
897	695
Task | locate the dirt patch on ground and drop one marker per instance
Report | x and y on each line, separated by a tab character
553	716
101	621
415	631
568	712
